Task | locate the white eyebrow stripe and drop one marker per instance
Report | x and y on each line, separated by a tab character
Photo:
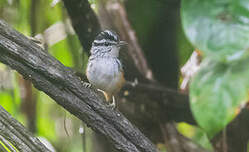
103	41
111	34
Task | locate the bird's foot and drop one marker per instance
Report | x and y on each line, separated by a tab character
101	91
87	85
113	104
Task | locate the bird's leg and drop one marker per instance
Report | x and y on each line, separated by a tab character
107	97
113	104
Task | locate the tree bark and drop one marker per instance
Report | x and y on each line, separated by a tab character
12	131
84	21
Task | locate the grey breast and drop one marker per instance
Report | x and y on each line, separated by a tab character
104	73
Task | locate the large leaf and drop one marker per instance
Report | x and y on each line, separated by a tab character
217	27
216	93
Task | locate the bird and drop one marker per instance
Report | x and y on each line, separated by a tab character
104	69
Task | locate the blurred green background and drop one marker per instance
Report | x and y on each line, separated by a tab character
32	17
49	18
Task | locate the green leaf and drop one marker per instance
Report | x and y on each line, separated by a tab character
217	27
217	91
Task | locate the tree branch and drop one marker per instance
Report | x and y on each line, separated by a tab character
175	142
159	102
12	131
59	82
84	21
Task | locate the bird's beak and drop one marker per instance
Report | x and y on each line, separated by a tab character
122	43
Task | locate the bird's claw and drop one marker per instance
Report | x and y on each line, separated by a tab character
87	85
113	104
101	91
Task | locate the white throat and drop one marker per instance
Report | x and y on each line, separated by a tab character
115	51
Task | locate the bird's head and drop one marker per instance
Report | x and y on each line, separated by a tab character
108	43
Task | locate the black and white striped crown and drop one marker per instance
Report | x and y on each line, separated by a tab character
106	38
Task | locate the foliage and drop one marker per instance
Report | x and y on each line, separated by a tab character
221	30
218	28
50	117
217	92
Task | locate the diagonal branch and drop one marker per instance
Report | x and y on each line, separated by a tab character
13	132
59	82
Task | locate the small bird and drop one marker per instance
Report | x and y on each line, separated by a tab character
104	69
